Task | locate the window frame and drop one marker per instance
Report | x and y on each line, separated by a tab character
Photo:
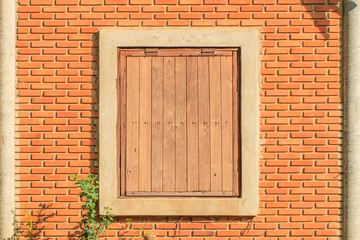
247	41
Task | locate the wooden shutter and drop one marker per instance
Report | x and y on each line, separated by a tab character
178	125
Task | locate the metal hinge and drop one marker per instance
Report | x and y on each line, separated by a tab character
207	51
151	51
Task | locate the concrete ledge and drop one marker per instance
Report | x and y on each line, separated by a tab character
247	40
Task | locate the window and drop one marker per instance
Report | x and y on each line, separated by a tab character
171	140
178	122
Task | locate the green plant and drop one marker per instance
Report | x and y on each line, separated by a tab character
92	222
140	233
29	224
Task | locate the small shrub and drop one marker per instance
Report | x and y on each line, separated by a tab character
92	222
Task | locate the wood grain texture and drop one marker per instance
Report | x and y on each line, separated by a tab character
173	52
236	126
192	125
181	126
132	144
169	125
121	124
145	125
180	194
204	123
157	107
215	124
226	115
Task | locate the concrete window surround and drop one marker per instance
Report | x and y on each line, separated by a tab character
247	40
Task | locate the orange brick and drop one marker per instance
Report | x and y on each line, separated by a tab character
115	2
166	2
22	9
141	2
215	2
300	110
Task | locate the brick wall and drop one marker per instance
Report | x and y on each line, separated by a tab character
301	112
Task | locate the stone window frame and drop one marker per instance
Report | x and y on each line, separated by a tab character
244	38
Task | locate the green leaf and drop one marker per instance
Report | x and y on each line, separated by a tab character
89	224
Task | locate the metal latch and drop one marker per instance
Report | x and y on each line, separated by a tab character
207	51
151	51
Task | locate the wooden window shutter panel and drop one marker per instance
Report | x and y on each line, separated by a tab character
181	126
157	110
181	136
132	136
145	125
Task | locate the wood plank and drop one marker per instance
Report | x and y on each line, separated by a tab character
169	125
215	124
175	52
145	125
204	124
226	115
236	121
192	125
157	100
132	151
180	194
121	123
180	134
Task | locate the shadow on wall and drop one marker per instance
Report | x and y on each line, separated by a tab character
322	24
33	222
139	227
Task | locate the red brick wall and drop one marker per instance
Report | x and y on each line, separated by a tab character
301	112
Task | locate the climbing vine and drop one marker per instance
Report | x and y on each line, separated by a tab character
92	222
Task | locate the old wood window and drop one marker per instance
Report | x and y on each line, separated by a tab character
115	104
178	122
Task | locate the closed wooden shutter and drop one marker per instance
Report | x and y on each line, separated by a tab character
179	124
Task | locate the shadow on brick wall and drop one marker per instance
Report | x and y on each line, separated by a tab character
321	25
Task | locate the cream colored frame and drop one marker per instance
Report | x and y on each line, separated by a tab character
247	40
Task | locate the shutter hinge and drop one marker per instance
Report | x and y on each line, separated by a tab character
151	51
207	51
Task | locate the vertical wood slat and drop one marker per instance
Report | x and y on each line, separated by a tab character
157	94
181	126
132	141
215	124
236	120
204	114
145	125
121	153
192	125
169	126
226	115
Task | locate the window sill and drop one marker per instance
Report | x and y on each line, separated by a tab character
194	206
